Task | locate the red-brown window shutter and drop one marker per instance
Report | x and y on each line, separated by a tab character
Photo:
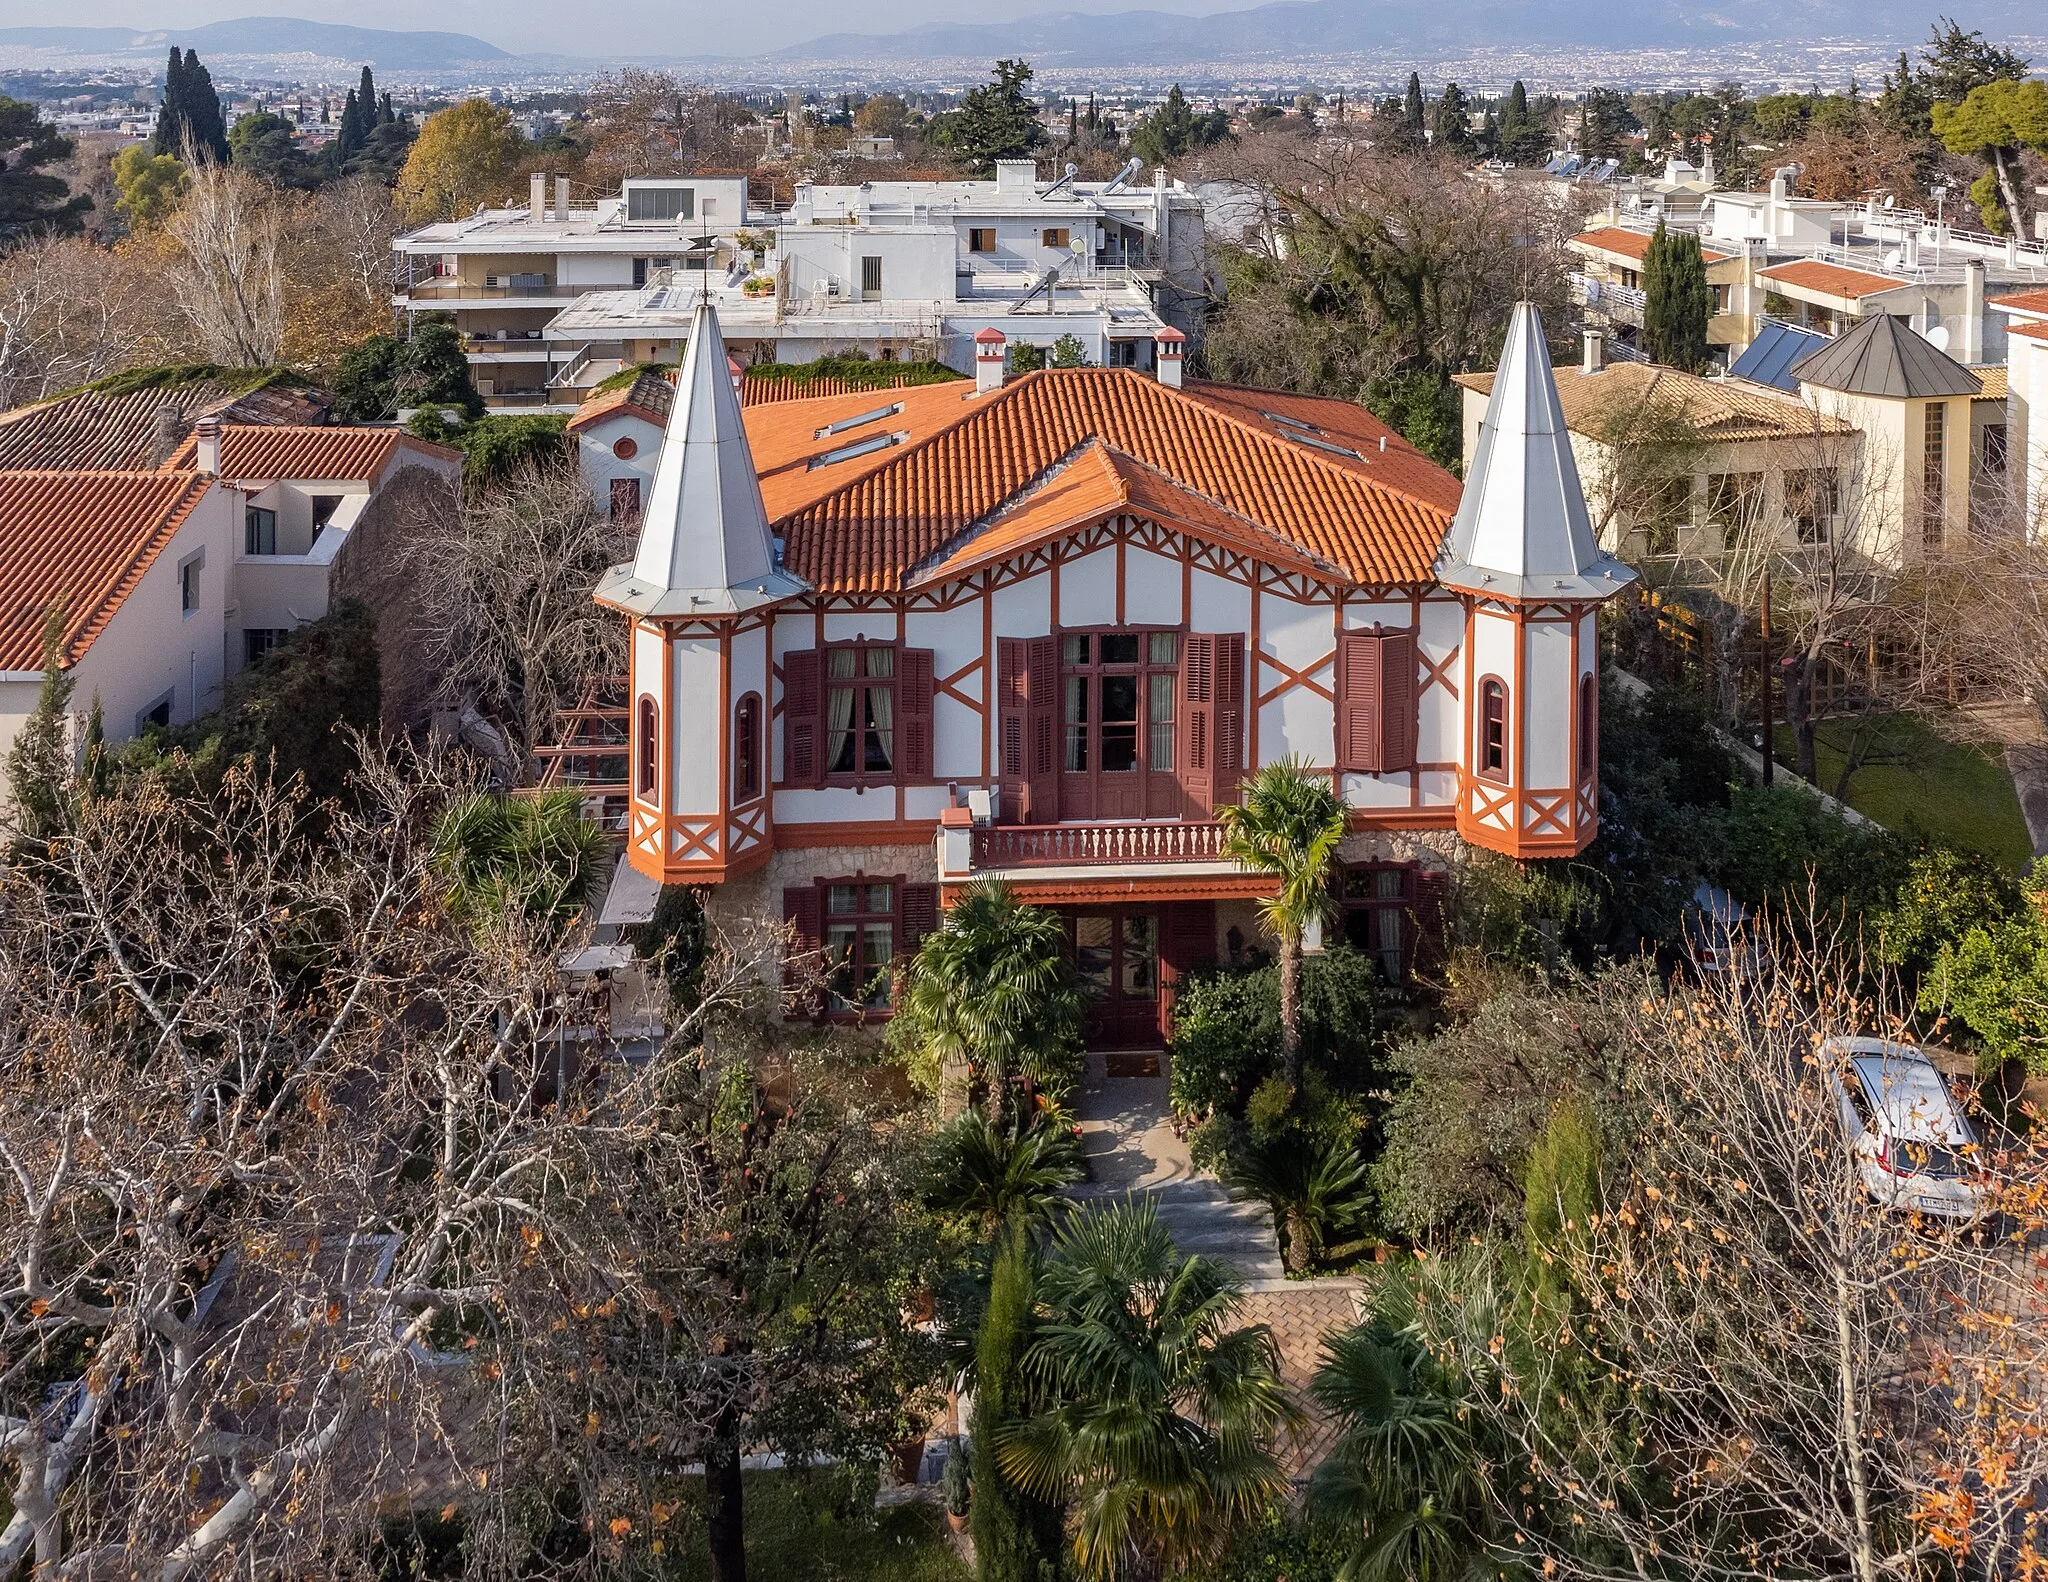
918	917
803	910
801	760
1197	722
1358	702
1229	744
1013	658
1042	792
914	687
1397	700
1432	918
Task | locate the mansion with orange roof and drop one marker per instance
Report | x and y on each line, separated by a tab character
886	643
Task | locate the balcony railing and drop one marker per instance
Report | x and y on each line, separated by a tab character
1095	845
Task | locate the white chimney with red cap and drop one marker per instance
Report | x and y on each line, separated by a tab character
206	444
991	351
739	377
1167	347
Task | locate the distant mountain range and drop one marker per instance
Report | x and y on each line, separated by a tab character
269	37
1297	28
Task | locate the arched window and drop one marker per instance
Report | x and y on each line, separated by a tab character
1493	728
1589	703
650	748
746	748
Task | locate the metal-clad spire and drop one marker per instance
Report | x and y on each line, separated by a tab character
705	547
1522	530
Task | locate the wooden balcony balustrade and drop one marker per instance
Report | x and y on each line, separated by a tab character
1095	845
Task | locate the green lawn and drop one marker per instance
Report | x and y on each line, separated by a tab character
1956	793
794	1530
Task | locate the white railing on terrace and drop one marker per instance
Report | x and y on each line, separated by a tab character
1591	292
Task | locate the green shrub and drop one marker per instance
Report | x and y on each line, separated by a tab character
1779	847
1016	1538
1226	1038
855	368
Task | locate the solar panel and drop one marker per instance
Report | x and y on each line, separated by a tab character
1769	358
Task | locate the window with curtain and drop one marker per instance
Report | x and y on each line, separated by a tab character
860	711
1493	725
860	944
1117	692
1376	906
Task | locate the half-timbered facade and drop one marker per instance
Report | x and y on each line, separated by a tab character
887	642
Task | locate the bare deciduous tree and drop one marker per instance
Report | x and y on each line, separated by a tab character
1740	1365
70	312
226	264
649	123
503	594
313	1205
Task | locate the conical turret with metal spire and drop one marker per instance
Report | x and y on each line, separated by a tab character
705	547
1522	530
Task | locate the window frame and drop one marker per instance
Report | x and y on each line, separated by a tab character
1588	724
748	780
259	522
975	233
1148	672
190	596
1490	688
1934	475
647	751
1357	892
1065	233
860	777
858	921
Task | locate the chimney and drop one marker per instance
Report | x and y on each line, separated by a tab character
170	431
1972	349
1594	346
1167	347
537	195
738	375
206	441
991	350
561	198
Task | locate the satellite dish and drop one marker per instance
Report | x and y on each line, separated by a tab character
1894	258
1889	200
1938	337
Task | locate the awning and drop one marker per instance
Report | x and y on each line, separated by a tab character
631	898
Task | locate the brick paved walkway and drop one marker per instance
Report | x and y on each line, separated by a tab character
1300	1314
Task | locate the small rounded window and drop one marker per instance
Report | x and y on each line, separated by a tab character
625	447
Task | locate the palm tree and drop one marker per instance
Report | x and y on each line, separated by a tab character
1403	1479
1164	1418
1318	1188
1289	824
535	857
991	985
1003	1175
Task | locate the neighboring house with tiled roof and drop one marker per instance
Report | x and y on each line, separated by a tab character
1609	284
258	524
1042	629
131	422
141	562
1748	460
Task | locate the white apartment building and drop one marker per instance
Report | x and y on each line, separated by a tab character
554	297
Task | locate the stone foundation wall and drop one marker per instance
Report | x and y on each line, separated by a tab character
758	895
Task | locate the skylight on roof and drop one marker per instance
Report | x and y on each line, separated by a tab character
1323	444
1290	422
860	447
846	423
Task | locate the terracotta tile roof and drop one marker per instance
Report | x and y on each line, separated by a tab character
2023	302
1720	411
85	536
1632	244
1832	280
336	454
1993	379
649	396
2032	332
1321	486
117	431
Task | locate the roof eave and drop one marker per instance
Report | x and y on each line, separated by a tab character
619	589
1601	582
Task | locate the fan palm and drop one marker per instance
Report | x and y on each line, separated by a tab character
1403	1479
1165	1415
992	985
1289	824
533	856
1001	1174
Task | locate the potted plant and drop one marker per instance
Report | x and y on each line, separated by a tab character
955	1487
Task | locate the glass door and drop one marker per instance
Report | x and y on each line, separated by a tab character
1116	956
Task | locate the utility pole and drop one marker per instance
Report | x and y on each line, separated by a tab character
1770	714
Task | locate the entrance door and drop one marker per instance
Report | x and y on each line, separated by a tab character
1116	954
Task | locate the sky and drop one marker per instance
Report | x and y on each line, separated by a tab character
587	27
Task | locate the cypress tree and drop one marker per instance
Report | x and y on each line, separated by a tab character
170	115
1411	110
1677	301
1016	1538
199	110
350	135
385	114
39	767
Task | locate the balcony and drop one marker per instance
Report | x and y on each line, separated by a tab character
1065	863
1620	304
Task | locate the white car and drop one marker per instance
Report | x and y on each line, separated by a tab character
1915	1148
